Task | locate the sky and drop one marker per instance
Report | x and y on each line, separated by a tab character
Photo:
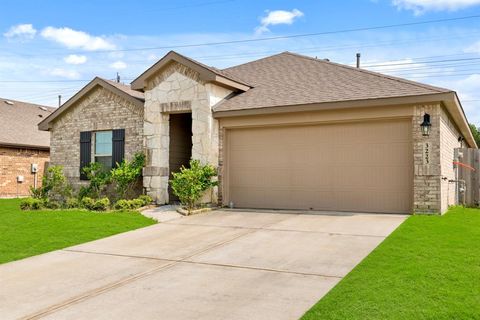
50	48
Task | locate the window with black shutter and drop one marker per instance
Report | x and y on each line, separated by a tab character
103	149
118	146
85	151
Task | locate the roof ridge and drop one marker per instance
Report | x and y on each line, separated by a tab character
378	74
114	82
253	61
27	103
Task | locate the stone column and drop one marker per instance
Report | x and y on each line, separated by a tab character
156	134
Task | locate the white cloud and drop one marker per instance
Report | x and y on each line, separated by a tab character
74	39
152	57
277	17
474	48
21	31
75	59
63	73
118	65
421	6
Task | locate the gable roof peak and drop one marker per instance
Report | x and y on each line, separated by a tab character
122	90
207	73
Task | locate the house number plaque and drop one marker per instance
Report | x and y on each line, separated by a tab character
426	153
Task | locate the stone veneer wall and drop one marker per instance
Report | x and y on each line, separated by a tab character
177	89
448	142
17	162
427	172
99	110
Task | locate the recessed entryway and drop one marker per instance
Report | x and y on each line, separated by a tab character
180	146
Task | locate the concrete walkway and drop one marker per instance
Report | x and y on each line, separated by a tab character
218	265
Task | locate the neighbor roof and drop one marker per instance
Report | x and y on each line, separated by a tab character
120	89
289	79
207	73
18	124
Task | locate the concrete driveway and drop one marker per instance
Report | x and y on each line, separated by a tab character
219	265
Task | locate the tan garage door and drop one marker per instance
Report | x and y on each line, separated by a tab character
363	166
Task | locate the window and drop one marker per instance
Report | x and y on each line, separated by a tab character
103	148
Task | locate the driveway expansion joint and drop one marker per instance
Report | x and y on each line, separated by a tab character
283	230
127	280
185	260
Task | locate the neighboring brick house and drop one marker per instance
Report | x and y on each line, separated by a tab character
21	146
285	132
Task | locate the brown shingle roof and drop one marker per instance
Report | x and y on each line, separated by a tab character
127	89
18	124
291	79
223	73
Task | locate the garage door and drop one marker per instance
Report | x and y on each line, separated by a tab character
363	166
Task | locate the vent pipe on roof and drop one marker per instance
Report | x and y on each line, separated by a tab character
358	60
59	100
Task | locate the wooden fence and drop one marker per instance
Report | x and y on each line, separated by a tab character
467	179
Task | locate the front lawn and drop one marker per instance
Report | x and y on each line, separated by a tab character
28	233
429	268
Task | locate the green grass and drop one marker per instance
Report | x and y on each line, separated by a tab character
429	268
28	233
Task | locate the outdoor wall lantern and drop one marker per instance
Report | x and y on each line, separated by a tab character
426	125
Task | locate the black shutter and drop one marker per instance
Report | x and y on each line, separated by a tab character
118	146
85	151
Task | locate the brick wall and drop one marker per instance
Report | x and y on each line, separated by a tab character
427	173
15	162
99	110
448	142
432	191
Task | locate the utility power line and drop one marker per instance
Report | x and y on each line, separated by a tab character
380	65
302	35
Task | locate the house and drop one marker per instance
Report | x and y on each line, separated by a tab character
24	150
286	132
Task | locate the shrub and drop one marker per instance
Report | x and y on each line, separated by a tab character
72	203
190	183
133	204
98	177
126	175
31	204
87	203
122	204
136	203
51	204
37	193
146	200
54	187
101	204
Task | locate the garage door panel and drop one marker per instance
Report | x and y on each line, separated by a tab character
362	166
313	199
312	177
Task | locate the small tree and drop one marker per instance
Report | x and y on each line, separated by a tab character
127	173
475	133
55	186
190	183
99	179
